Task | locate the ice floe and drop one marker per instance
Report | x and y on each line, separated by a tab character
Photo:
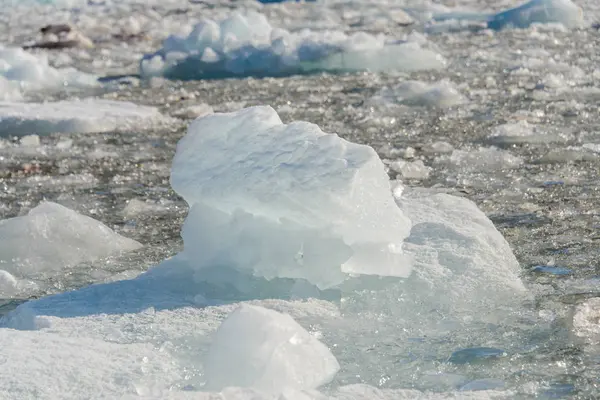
22	72
80	116
247	45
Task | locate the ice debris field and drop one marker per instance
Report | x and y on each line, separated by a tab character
305	264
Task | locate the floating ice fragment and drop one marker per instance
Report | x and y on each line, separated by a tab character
20	70
523	132
275	353
90	115
586	321
483	384
286	201
411	170
442	94
475	354
548	269
247	45
563	12
483	158
51	238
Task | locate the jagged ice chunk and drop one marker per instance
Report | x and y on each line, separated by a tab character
287	201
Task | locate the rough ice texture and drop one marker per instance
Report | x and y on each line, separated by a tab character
563	12
275	353
586	321
416	93
51	238
247	45
22	71
461	261
287	201
523	132
81	116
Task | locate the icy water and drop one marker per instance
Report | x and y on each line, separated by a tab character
522	142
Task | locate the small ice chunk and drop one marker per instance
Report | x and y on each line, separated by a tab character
475	355
411	170
286	201
23	71
563	12
442	94
193	111
136	207
483	158
90	115
586	321
30	141
521	132
51	237
275	353
438	148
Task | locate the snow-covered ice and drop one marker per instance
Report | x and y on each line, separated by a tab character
80	116
22	72
287	201
247	45
276	353
51	238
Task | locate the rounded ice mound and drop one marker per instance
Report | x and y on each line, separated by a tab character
20	70
247	45
563	12
286	201
275	353
80	116
460	258
50	238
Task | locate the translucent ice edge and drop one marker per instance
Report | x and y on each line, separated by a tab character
247	45
563	12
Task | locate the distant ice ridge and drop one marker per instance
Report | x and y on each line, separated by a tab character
81	116
21	72
247	45
286	201
563	12
48	240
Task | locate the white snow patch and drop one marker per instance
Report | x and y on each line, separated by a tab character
276	353
81	116
287	201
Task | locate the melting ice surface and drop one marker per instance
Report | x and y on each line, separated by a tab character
81	116
247	45
48	239
276	211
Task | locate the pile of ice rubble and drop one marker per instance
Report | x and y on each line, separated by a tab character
247	45
277	212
